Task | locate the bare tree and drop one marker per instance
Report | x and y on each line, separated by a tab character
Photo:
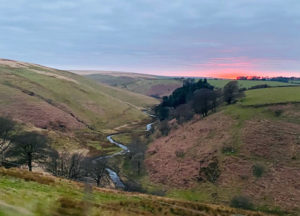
96	169
74	170
184	113
137	153
7	127
66	164
53	163
30	147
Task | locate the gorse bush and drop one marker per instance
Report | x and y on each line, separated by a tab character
179	153
212	172
228	150
278	112
258	170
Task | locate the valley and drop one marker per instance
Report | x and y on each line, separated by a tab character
150	108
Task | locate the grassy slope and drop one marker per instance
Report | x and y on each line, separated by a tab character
24	193
264	135
246	83
76	100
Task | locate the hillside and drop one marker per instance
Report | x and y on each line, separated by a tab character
74	111
28	194
150	85
249	149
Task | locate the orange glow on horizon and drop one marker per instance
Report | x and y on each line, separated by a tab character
231	73
233	67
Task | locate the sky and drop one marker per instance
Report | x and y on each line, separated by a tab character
211	38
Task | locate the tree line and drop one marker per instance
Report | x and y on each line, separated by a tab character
278	79
196	98
30	148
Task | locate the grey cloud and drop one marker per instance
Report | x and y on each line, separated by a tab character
150	35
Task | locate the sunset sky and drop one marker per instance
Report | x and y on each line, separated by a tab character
214	38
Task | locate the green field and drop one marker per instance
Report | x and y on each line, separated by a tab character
272	96
246	83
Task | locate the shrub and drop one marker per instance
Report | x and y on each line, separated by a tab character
259	86
179	153
211	172
258	170
278	112
241	202
228	150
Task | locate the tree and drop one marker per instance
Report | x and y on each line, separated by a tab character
231	92
53	164
204	100
164	127
137	153
66	165
184	113
7	127
162	112
96	169
30	147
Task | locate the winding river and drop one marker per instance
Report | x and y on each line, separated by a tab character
124	150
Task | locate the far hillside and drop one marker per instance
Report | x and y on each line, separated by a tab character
245	154
150	85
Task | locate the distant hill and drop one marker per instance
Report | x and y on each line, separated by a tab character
250	149
159	86
74	111
114	73
150	85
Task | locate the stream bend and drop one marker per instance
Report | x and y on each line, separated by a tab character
112	174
